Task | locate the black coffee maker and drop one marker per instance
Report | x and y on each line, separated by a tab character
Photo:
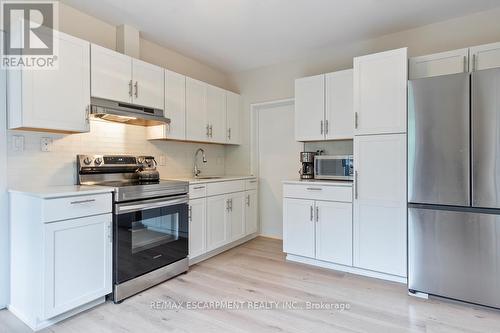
307	169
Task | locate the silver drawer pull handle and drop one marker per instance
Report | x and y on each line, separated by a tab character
82	201
253	181
314	189
198	187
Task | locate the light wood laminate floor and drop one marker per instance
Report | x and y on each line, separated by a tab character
257	272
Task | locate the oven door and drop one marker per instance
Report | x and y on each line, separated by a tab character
149	234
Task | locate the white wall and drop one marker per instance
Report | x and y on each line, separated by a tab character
4	225
277	81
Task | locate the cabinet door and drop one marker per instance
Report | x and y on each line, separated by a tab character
78	262
217	221
237	215
233	118
216	113
175	105
310	108
148	84
298	227
111	75
380	82
196	110
485	56
334	232
444	63
59	99
380	203
339	123
251	212
197	227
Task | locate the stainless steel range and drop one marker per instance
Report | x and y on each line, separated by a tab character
150	220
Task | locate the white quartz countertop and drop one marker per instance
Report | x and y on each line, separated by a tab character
215	180
50	192
319	182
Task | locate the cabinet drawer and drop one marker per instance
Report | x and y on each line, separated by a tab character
251	184
225	187
76	207
197	191
316	192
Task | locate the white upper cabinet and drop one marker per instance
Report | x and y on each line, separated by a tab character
233	118
444	63
380	203
118	77
53	100
380	82
148	84
111	74
197	128
310	108
216	114
339	123
175	109
485	56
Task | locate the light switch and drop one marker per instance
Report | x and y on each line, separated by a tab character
46	144
17	143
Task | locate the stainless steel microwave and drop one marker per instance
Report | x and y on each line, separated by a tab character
334	167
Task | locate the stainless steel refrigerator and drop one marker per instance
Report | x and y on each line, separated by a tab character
454	186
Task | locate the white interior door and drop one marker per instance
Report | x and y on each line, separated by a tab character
4	240
278	161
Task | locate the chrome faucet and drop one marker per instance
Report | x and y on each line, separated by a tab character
196	170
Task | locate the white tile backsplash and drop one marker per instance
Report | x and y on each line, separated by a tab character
58	167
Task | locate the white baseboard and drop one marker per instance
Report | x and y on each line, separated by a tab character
271	236
347	269
419	295
37	325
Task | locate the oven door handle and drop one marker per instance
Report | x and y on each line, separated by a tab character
150	204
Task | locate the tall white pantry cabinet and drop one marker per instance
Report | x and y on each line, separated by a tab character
379	214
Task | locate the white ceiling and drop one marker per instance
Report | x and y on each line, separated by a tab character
238	35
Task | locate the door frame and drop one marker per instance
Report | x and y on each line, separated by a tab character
254	141
4	224
254	129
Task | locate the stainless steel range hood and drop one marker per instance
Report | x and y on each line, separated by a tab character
126	113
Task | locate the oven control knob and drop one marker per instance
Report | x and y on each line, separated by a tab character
98	161
87	160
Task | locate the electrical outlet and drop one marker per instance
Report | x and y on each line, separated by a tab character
17	143
46	144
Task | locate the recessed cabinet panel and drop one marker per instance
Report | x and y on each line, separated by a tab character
485	56
197	127
32	103
111	75
197	227
251	212
339	113
217	222
237	215
148	84
298	227
444	63
310	108
380	82
216	113
380	203
233	118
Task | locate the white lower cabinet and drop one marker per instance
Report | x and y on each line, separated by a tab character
334	232
220	214
318	229
197	226
217	221
61	255
380	203
77	262
251	212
